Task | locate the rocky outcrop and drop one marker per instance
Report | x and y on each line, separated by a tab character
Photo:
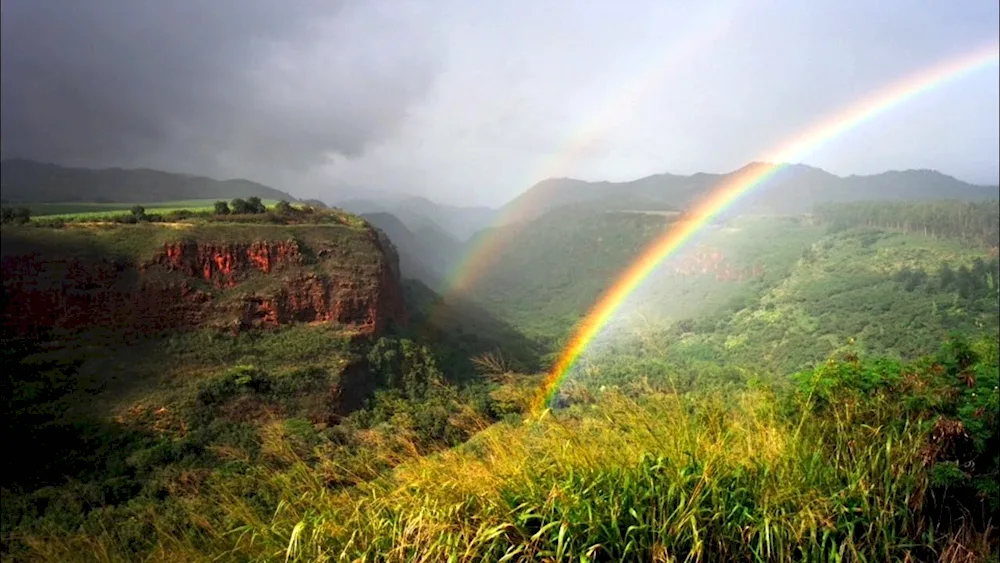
703	261
93	293
200	283
314	298
225	264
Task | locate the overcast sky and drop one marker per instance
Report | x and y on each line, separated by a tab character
473	101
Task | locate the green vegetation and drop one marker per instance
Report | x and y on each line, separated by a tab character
138	242
82	212
14	215
66	210
794	188
863	460
976	221
766	293
815	388
547	273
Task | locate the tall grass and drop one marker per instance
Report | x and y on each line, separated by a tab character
99	211
662	478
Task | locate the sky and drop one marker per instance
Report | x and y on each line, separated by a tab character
472	102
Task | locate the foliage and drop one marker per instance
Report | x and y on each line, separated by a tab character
850	290
459	330
978	221
14	215
415	397
86	212
283	207
239	206
678	435
761	476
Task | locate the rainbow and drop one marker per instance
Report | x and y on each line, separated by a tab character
586	139
742	182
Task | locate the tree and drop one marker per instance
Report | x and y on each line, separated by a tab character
315	204
256	205
15	215
283	208
139	212
240	206
221	208
947	277
916	278
404	365
965	281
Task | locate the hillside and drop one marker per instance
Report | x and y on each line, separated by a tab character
549	272
146	355
26	181
794	189
426	253
422	214
321	439
148	277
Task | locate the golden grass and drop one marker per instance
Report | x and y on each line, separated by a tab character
661	479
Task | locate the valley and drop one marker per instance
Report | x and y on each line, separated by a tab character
500	282
299	382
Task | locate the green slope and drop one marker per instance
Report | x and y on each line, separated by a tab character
794	189
683	432
771	291
549	272
26	181
546	273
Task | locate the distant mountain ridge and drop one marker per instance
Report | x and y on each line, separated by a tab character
793	188
425	254
27	181
419	213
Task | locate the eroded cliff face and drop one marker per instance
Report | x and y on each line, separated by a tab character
224	265
105	294
191	283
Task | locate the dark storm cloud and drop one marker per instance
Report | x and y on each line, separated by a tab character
222	85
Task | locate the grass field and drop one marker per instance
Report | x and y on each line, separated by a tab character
98	211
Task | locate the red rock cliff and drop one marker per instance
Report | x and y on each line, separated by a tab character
224	265
189	284
369	304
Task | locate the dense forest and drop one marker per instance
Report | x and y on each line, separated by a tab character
978	220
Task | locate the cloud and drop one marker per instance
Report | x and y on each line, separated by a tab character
473	102
227	86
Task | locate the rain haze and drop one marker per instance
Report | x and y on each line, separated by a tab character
471	103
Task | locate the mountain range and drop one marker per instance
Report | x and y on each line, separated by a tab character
792	189
27	181
418	213
430	231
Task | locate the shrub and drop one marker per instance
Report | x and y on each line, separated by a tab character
240	379
14	215
240	206
283	208
255	205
